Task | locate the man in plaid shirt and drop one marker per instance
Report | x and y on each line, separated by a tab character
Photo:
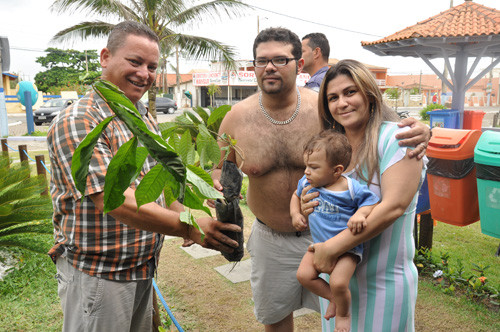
106	262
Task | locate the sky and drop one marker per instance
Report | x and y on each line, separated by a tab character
30	25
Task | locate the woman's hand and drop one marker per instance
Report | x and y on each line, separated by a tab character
306	204
324	262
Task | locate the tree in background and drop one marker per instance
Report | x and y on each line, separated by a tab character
164	17
213	89
393	94
67	70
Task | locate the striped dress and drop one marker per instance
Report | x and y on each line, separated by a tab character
384	286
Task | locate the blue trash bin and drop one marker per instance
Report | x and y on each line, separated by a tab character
444	118
423	203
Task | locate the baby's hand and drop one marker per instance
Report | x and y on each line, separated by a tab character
356	223
299	222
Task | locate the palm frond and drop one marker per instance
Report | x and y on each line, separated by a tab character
210	10
14	173
208	49
24	215
23	211
104	8
36	227
38	247
22	189
83	30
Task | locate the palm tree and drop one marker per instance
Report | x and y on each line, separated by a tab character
162	16
213	89
24	213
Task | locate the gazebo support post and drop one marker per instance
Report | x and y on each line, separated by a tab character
459	82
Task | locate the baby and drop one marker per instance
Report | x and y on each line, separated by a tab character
343	203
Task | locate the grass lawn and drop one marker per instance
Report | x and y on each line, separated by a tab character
203	300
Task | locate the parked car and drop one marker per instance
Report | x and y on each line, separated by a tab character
48	111
165	105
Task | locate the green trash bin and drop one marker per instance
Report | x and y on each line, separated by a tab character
487	159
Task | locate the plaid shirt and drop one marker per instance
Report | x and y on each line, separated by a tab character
91	241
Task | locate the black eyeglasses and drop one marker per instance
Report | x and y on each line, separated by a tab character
277	62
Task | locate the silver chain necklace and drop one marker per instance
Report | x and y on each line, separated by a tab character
276	122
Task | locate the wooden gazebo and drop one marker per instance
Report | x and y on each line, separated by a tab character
469	30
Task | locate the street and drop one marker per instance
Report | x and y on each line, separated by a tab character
18	127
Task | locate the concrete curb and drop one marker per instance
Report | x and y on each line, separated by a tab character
27	138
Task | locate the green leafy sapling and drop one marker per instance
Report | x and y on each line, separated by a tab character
174	175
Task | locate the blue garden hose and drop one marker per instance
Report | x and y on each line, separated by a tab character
165	305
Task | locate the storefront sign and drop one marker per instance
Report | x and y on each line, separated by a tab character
236	78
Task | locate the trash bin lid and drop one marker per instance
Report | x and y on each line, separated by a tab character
487	149
452	144
475	112
442	112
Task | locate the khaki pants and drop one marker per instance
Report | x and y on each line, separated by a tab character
96	304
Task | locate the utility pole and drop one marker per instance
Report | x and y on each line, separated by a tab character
420	83
177	76
4	128
258	23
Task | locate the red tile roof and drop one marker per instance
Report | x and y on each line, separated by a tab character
171	79
467	19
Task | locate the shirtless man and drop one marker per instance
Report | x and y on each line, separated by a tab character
271	128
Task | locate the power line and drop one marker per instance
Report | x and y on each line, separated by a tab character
311	22
27	49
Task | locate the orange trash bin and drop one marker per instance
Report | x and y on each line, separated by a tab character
451	176
473	119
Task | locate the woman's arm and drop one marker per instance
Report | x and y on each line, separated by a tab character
398	187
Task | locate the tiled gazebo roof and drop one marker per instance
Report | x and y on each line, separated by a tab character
465	31
467	19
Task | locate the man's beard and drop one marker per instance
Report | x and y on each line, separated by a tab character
272	89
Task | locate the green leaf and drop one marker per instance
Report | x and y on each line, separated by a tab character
194	202
200	172
172	189
151	185
167	129
205	188
157	147
114	96
188	218
193	117
141	154
216	117
35	227
5	209
120	174
184	120
83	154
201	113
185	148
207	146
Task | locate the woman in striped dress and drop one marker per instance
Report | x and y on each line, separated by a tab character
384	286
